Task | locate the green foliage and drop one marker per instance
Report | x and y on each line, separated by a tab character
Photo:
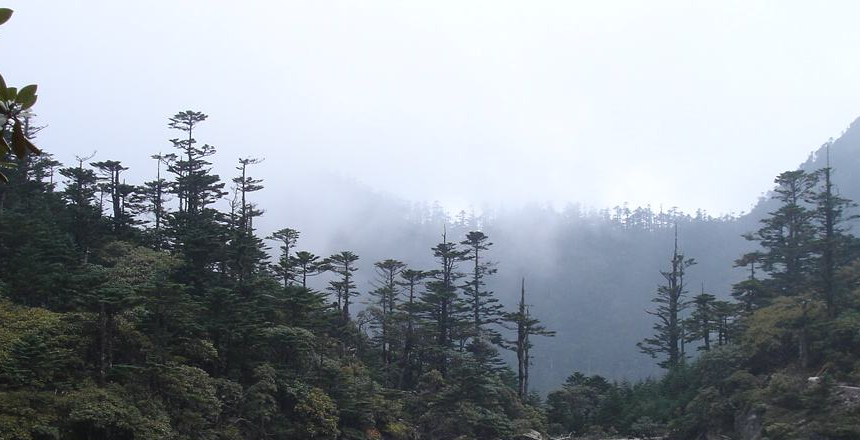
38	349
316	415
772	333
5	15
470	404
28	415
15	107
579	406
108	413
189	396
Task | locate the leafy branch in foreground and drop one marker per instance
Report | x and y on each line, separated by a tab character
15	110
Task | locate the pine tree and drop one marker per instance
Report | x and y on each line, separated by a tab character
246	248
830	216
703	321
306	264
525	326
124	204
385	295
287	239
787	235
343	264
725	314
155	198
411	280
85	216
195	186
751	292
442	309
670	302
484	308
198	232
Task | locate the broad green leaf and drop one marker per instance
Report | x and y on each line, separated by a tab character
10	93
4	178
26	94
30	103
4	146
2	84
5	15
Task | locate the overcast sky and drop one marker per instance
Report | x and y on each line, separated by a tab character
693	104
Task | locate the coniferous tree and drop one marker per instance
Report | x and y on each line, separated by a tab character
287	239
155	198
484	308
246	248
306	264
667	339
385	296
725	314
525	326
85	217
411	280
442	309
198	231
343	265
124	206
195	186
703	321
830	216
751	292
787	235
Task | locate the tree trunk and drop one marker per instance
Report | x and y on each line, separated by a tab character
102	343
804	341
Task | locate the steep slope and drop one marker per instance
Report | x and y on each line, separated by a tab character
844	159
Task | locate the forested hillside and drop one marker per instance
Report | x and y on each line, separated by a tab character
780	361
143	311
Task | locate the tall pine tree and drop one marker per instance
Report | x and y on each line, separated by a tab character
667	340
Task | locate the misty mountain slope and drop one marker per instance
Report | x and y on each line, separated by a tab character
588	276
844	156
597	290
601	280
845	161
